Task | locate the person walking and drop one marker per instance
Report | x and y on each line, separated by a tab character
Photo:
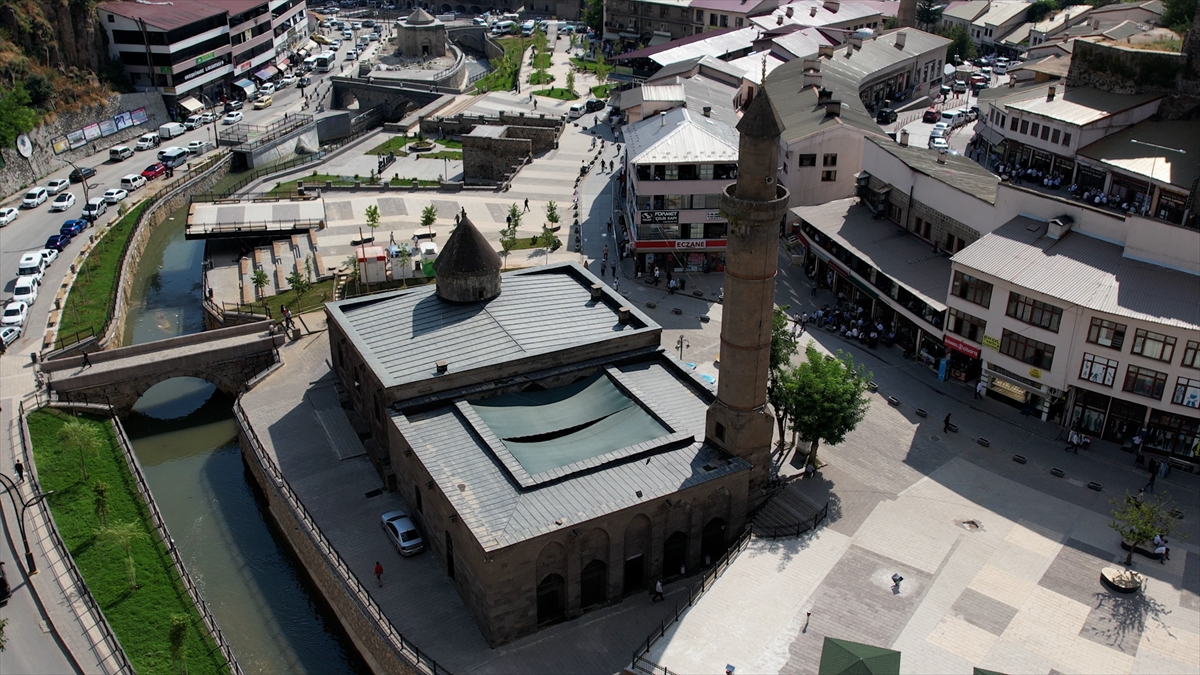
87	362
19	469
616	282
379	573
526	203
979	388
946	424
658	592
1153	476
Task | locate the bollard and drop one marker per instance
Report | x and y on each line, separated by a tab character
1058	472
1019	459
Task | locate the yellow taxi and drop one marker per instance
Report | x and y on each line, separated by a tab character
264	102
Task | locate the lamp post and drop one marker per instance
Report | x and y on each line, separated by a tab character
1154	165
680	344
11	488
82	181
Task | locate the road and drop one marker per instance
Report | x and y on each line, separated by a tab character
918	131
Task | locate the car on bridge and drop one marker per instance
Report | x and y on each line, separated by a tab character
15	313
34	198
73	227
94	208
57	185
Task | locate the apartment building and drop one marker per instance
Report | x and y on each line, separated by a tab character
717	14
650	22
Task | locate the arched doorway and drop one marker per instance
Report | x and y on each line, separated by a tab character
446	8
637	552
593	584
712	541
675	555
551	599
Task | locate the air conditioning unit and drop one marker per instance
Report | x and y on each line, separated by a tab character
1059	227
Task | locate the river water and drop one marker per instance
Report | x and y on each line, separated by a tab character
186	439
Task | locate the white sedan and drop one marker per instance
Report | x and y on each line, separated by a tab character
57	185
9	335
232	118
7	215
15	313
115	195
63	202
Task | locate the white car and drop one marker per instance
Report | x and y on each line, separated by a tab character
336	45
267	89
402	533
938	144
207	118
49	255
351	55
57	185
7	215
94	208
15	314
115	195
9	335
356	25
35	197
286	80
26	290
63	202
232	118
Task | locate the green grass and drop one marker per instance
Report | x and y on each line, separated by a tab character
589	66
407	182
526	243
504	75
443	154
559	93
540	77
542	60
90	302
139	618
393	144
600	91
452	144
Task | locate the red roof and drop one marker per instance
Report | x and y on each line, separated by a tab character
176	13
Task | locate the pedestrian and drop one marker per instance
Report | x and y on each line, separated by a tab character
1153	477
656	279
87	362
19	469
979	388
534	103
946	424
1141	496
508	219
814	291
603	266
614	269
379	573
616	282
658	592
526	203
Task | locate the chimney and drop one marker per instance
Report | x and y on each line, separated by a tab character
662	117
849	50
824	95
779	21
812	64
901	37
623	314
941	157
789	12
824	50
1050	93
812	11
855	40
707	111
442	367
832	5
812	78
833	108
597	291
903	138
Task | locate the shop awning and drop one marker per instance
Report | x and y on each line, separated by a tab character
247	86
311	47
190	104
611	36
659	40
282	63
267	73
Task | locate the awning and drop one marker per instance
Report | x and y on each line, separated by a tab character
311	47
282	63
659	40
247	86
191	104
628	36
267	73
611	36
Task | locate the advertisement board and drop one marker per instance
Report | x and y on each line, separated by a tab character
91	131
75	139
123	121
139	116
108	127
659	217
60	145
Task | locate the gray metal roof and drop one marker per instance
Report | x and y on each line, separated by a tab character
892	250
958	172
718	45
797	105
679	135
500	513
539	311
1081	270
1079	105
1119	153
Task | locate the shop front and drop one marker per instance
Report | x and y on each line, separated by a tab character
1124	420
1130	192
1016	391
1170	206
1088	411
679	256
1176	435
964	359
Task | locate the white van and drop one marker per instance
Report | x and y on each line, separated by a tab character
31	265
26	289
527	27
576	111
954	118
120	153
132	182
173	156
171	130
503	27
148	141
511	17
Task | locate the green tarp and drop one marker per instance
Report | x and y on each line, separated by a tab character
853	658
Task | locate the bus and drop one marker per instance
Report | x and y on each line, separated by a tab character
325	61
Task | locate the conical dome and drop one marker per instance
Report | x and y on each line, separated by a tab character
419	17
468	268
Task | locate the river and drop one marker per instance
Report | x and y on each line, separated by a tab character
186	439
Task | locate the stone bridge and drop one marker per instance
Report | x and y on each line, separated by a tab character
396	100
228	358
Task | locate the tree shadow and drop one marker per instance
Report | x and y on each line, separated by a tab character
1126	618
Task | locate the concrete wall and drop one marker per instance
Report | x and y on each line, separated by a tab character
462	124
475	38
492	160
19	173
804	184
301	141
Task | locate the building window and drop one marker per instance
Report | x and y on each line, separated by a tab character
1066	138
724	21
739	22
807	160
828	176
1013	126
969	288
1098	369
1027	350
1034	312
1187	392
672	172
706	171
699	16
1191	355
111	19
829	160
712	20
1145	382
1153	345
964	324
1033	131
1106	333
1024	126
1002	118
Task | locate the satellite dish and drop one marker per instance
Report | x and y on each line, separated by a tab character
948	69
24	146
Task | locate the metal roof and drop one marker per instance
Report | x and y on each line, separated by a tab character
718	45
956	171
647	52
1055	65
1081	270
1061	17
892	250
734	6
680	135
801	43
816	13
1017	36
798	109
169	15
1001	13
1120	153
966	11
752	65
539	311
500	512
1080	106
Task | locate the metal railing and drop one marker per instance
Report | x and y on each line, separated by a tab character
253	226
77	336
797	529
239	137
403	649
639	662
118	656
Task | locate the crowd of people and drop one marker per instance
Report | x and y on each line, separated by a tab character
847	320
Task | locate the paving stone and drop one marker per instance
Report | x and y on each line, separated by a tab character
1189	597
984	612
1075	572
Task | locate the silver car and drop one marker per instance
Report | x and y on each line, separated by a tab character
402	533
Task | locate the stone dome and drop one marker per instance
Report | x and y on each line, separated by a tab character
468	268
419	17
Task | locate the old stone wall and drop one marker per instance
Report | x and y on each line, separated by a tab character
493	160
19	173
542	139
300	141
475	38
462	124
1125	70
921	214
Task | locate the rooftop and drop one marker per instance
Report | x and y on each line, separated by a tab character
172	15
798	109
1055	65
1178	166
1061	17
647	52
1080	106
1017	36
1002	13
716	44
801	43
966	11
1155	6
1085	271
888	248
876	56
752	65
681	135
815	13
735	6
956	171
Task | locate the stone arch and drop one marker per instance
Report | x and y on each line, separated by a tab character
675	554
593	584
552	560
447	8
460	9
714	540
593	545
551	599
637	554
476	10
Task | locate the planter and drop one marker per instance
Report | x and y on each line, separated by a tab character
1122	581
420	147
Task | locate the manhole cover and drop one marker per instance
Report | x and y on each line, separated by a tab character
935	438
970	525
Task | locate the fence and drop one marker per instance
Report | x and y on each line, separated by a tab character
118	658
404	650
239	137
797	529
253	226
642	664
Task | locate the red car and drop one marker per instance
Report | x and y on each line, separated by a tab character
930	116
154	171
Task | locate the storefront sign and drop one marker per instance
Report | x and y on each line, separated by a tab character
200	71
205	57
691	243
960	346
243	67
1035	373
680	243
659	217
991	343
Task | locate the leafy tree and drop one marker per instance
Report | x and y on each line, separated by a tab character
552	214
547	239
260	281
508	236
1138	522
593	15
16	117
177	636
403	261
1038	10
602	68
571	81
301	285
81	436
961	44
783	347
40	89
828	399
1177	14
372	214
3	637
929	13
123	535
429	217
100	501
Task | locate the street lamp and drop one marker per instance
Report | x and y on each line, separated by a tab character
1153	166
680	344
82	181
11	488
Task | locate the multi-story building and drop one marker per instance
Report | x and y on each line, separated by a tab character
717	14
1000	20
837	19
649	22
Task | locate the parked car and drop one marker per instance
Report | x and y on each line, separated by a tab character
7	215
115	195
594	104
885	116
81	174
132	182
304	81
193	122
49	255
351	55
73	227
264	102
374	37
15	313
94	208
9	335
232	118
207	118
938	143
58	242
286	80
959	87
939	130
63	202
35	197
32	265
231	106
57	185
154	171
148	142
267	89
931	115
26	290
197	148
402	533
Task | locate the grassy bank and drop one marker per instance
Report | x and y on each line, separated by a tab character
90	302
317	180
393	144
559	93
140	618
504	75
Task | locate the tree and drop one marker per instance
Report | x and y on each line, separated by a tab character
40	89
1038	10
429	217
1138	522
301	285
783	347
1177	14
929	13
100	501
16	117
3	637
552	214
602	68
547	239
372	214
593	15
403	261
124	534
961	44
828	401
508	236
177	636
81	436
260	282
571	82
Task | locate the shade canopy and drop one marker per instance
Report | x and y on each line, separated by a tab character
840	657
